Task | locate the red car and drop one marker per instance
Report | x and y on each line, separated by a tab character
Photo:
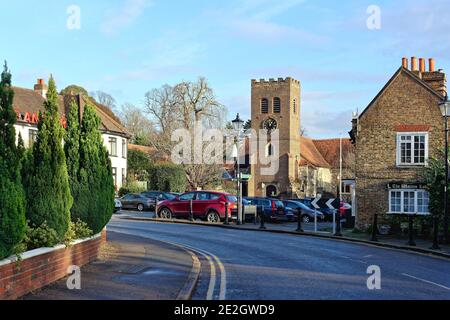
208	205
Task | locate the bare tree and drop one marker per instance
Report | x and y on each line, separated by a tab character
105	99
182	106
137	123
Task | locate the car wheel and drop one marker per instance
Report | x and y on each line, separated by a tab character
165	213
306	219
140	207
213	217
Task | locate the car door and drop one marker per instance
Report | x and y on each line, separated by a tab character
181	207
201	203
126	201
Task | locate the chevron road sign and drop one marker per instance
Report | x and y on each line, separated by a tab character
320	203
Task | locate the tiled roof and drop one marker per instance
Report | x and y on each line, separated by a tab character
330	149
27	100
144	149
309	154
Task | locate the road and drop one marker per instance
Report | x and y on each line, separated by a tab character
256	265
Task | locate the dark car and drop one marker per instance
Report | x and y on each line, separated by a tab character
136	201
273	209
157	196
208	205
327	212
307	214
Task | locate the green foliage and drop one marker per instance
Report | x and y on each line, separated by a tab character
73	90
95	199
47	188
132	187
40	236
434	175
167	177
12	196
138	164
77	230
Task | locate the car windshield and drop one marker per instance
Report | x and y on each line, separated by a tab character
231	198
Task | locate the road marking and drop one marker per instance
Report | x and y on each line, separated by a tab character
426	281
212	279
368	256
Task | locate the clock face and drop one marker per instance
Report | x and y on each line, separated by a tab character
269	124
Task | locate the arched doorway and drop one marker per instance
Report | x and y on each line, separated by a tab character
271	191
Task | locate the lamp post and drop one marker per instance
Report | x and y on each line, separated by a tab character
237	126
445	109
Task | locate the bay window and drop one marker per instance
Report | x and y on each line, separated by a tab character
408	202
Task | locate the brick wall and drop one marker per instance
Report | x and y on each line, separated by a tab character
41	267
404	104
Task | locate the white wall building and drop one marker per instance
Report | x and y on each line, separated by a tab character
28	103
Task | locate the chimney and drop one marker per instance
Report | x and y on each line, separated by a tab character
405	62
431	65
41	88
422	65
413	64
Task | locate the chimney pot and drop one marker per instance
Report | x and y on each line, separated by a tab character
422	65
405	62
431	65
413	64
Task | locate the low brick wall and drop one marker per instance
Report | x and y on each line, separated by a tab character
44	266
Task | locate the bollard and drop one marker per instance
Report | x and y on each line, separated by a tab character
156	208
338	224
411	241
299	220
261	217
191	215
435	245
226	213
374	228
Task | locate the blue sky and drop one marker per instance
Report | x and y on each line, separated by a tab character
127	47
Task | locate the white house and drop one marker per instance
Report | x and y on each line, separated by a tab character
28	103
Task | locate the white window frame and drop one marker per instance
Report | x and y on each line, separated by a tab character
402	192
398	149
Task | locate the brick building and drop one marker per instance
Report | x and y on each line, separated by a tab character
394	136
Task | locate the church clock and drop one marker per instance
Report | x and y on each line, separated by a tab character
269	124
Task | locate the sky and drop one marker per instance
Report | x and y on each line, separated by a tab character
128	47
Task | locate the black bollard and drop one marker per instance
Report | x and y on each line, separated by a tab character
226	213
191	215
435	245
299	220
374	228
411	241
261	217
338	224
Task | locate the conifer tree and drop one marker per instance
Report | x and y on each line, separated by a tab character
12	197
96	182
48	192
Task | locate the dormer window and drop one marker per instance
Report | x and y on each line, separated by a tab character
264	105
276	105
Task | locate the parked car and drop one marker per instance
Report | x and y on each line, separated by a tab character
273	209
307	214
117	205
208	205
157	196
136	201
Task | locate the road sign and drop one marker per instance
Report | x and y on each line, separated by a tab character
314	202
330	203
319	203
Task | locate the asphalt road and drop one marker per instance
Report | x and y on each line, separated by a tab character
256	265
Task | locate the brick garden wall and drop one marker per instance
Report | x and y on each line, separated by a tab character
41	267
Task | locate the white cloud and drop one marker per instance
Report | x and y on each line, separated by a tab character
124	16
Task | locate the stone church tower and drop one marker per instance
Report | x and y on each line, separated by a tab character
276	104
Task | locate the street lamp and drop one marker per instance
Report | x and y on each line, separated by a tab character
237	126
444	105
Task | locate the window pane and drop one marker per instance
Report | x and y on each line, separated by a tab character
396	201
405	148
419	149
408	201
422	202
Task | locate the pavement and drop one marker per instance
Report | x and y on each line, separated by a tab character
278	266
129	268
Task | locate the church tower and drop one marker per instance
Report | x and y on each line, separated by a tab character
275	104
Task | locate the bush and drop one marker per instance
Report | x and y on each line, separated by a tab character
39	237
77	230
167	177
131	187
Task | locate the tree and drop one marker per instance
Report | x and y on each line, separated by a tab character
72	152
434	175
167	177
138	164
73	90
105	99
48	192
137	123
12	197
182	107
96	189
